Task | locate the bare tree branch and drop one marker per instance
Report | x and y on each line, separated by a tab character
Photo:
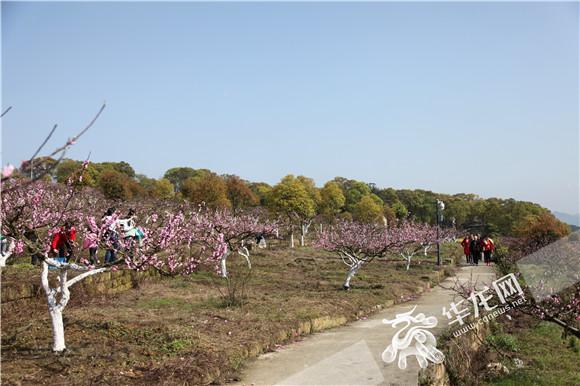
5	111
43	143
62	150
72	140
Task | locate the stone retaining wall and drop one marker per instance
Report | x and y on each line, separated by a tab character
103	283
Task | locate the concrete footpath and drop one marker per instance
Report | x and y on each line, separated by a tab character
351	355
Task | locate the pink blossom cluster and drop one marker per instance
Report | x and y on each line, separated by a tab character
367	241
177	238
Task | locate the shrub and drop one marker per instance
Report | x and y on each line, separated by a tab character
502	342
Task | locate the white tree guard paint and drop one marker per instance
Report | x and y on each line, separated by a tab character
303	231
351	272
224	268
246	253
6	252
243	251
57	306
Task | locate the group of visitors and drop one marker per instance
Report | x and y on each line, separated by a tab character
64	241
478	248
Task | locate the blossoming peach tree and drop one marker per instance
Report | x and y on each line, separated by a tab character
422	236
549	274
175	238
224	234
358	244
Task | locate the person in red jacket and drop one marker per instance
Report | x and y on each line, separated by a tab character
465	244
488	248
63	241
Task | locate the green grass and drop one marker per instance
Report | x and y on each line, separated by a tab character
548	359
503	342
177	345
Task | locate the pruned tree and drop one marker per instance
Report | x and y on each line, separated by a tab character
228	233
30	206
358	244
421	237
222	234
33	211
548	267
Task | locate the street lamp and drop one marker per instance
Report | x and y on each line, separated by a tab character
440	207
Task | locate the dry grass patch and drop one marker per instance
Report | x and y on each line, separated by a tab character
177	331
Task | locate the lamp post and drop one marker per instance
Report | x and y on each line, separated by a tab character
440	207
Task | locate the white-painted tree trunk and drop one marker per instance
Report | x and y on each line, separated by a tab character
246	253
223	265
243	251
56	308
57	329
407	257
6	251
303	231
351	272
292	239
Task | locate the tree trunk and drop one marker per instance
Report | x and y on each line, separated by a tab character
224	270
55	308
58	344
303	231
292	239
6	250
351	272
246	254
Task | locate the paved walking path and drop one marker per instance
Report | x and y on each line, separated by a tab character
351	355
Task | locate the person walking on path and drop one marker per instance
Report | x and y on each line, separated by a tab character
480	246
473	248
465	244
488	248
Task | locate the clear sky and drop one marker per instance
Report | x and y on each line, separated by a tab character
450	97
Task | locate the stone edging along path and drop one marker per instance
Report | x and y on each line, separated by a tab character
351	355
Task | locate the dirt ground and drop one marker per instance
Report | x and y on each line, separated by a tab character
177	331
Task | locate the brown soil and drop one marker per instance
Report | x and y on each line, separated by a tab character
177	331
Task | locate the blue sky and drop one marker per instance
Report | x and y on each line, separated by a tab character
450	97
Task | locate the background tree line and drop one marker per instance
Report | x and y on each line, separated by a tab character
297	200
